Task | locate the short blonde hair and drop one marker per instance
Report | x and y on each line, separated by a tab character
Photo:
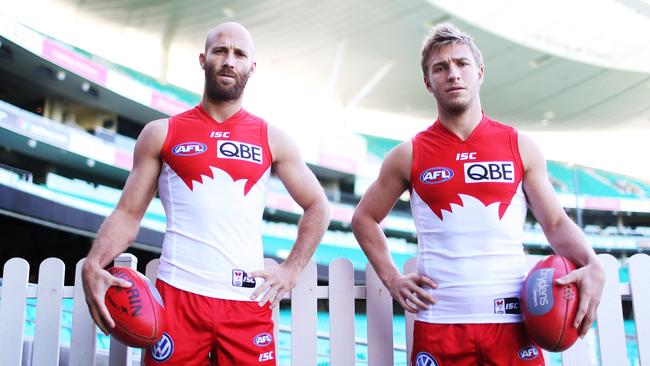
444	34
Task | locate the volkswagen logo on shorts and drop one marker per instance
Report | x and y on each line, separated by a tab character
436	175
189	149
163	349
263	339
425	359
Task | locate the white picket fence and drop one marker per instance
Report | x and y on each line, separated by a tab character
45	348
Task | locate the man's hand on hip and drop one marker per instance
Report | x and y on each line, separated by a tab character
408	290
277	282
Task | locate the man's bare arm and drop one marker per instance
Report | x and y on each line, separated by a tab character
303	187
121	227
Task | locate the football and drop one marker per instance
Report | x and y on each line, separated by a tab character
138	311
549	309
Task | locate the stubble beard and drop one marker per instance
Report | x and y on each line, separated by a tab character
457	106
216	92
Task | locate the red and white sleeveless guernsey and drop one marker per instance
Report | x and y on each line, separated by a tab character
469	209
213	185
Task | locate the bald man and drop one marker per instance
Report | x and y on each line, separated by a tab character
211	166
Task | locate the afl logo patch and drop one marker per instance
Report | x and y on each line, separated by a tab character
262	339
163	349
528	353
189	149
436	175
425	359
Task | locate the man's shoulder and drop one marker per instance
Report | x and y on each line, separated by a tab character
190	113
500	125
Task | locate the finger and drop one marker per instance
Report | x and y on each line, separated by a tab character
97	319
582	311
424	280
568	278
120	282
278	298
106	316
267	297
424	295
584	327
406	305
588	320
414	299
258	273
260	290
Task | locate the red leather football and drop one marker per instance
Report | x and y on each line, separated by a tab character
548	308
138	311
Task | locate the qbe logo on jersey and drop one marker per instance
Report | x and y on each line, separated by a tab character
229	149
489	172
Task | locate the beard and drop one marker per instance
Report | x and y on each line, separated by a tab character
217	92
457	106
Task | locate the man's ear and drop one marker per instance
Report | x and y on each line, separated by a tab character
427	84
202	60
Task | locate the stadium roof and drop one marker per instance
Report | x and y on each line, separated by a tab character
560	73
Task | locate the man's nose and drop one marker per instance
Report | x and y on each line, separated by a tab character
454	73
229	59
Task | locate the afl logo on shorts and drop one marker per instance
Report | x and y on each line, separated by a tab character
436	175
262	339
528	353
425	359
189	149
163	350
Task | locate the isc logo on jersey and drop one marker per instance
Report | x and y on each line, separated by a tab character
489	172
228	149
189	149
436	175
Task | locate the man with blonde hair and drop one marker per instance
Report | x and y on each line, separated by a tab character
471	180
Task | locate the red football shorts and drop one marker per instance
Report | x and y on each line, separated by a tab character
505	344
204	331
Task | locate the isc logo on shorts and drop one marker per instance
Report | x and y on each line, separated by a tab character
489	172
228	149
425	359
528	353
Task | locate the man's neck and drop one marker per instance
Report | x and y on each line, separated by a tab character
221	110
462	124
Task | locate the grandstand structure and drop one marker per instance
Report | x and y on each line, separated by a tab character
68	123
69	120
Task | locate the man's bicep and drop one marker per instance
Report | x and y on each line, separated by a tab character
391	183
142	182
299	181
537	186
